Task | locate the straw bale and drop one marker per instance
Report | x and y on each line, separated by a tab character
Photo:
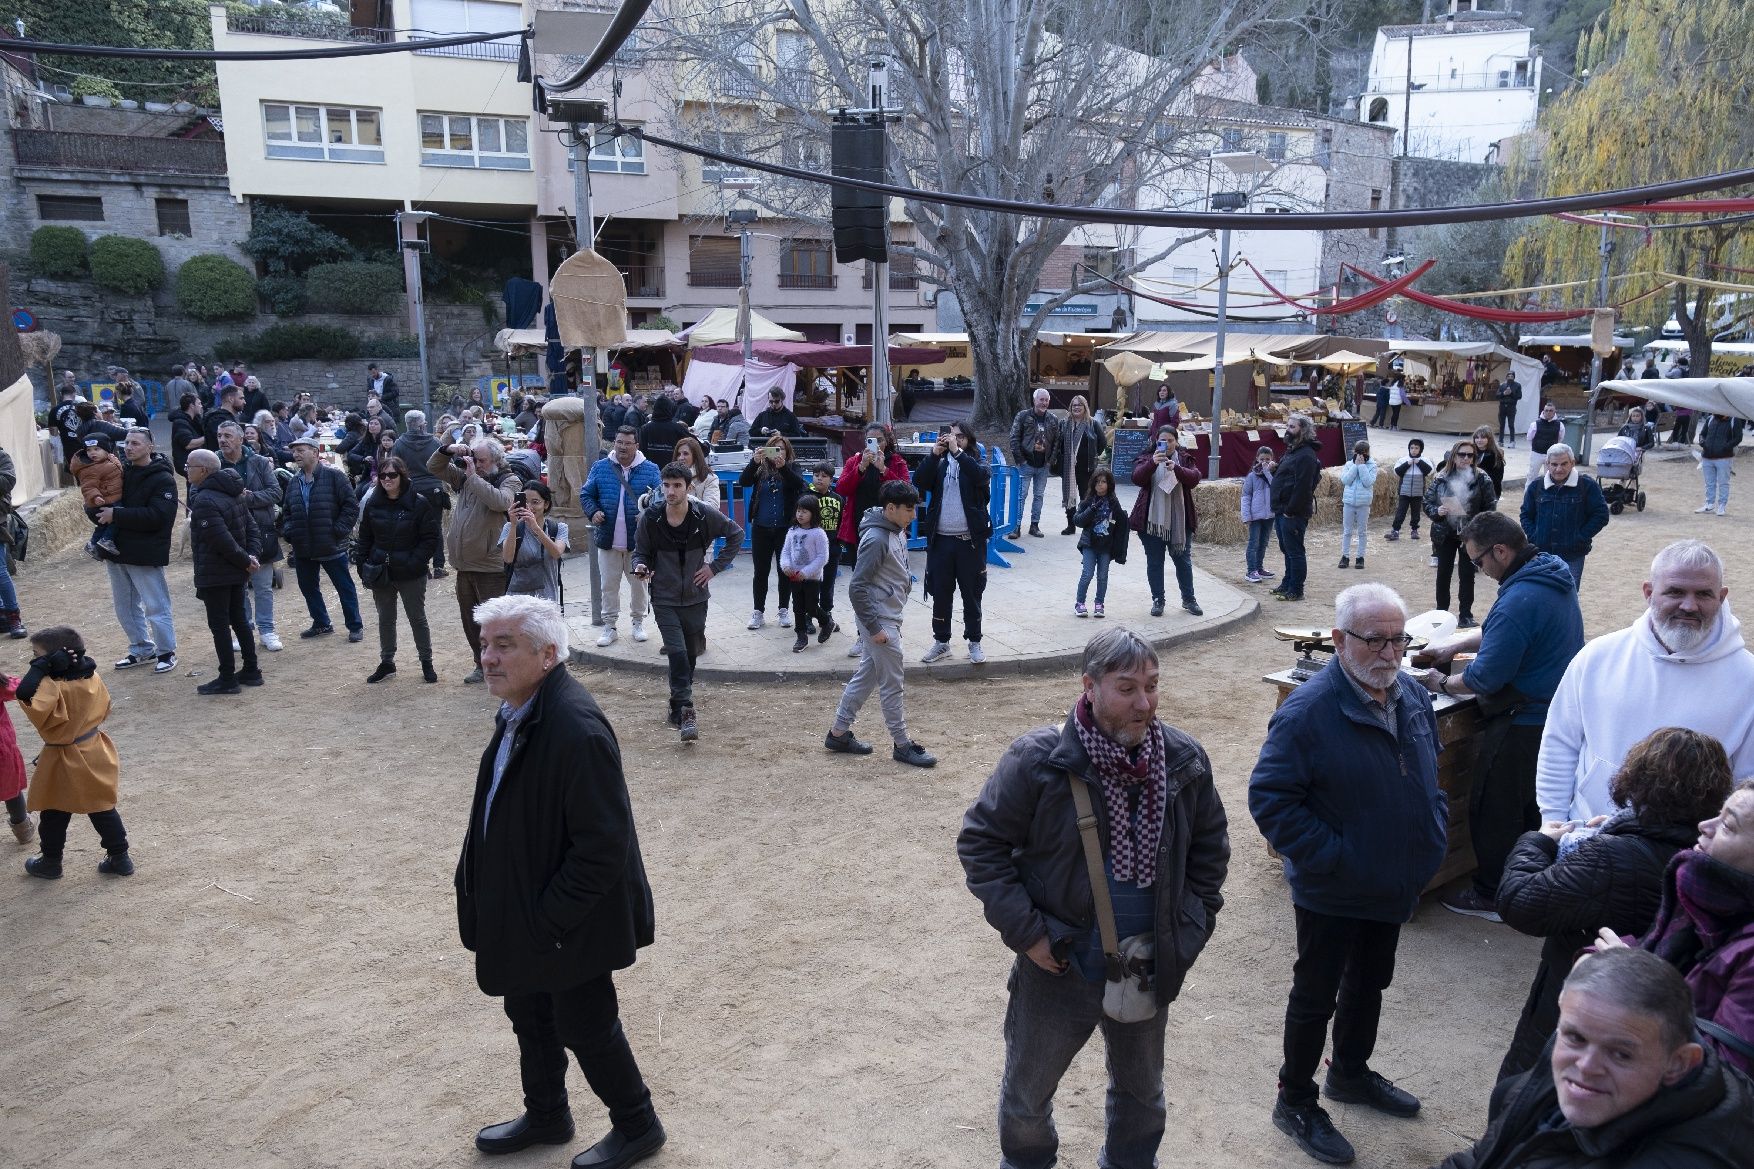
1219	503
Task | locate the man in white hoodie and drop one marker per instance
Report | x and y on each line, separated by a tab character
1682	663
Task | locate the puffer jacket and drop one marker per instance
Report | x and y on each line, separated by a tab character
479	514
403	532
605	484
1704	927
322	531
1358	483
1613	879
1295	481
414	450
859	485
1257	495
222	532
262	495
141	523
1719	436
1475	497
1024	859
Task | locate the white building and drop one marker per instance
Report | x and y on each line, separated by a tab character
1475	79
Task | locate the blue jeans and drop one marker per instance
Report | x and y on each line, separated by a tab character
1291	529
1354	522
142	598
1184	567
1717	480
1095	564
1575	563
1035	479
259	599
1259	532
1048	1021
310	584
8	590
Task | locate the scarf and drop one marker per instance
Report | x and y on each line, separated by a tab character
1167	516
1705	903
1135	792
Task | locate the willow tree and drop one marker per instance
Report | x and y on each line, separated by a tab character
1670	99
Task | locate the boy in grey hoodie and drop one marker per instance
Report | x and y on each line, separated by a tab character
878	591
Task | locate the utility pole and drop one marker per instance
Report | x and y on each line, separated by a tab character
411	245
584	233
1222	201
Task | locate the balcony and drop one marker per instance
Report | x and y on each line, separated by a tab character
648	282
313	25
808	280
118	153
899	281
714	278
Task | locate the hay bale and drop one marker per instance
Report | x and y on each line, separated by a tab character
1219	503
57	523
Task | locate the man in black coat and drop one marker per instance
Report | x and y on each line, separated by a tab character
224	539
231	402
956	525
776	419
1293	498
551	891
141	523
317	520
383	384
187	430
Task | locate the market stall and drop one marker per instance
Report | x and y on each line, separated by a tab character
1449	385
939	393
1571	355
1064	364
1251	360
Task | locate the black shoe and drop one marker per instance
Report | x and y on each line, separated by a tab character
802	641
1035	530
617	1152
827	631
116	864
1157	608
522	1133
42	866
687	725
675	716
220	685
1371	1090
845	743
1466	621
384	670
427	673
318	631
356	635
1193	607
1345	562
250	677
914	755
1314	1133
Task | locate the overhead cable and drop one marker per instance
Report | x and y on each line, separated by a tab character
13	45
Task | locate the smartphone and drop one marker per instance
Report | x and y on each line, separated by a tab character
871	445
1163	446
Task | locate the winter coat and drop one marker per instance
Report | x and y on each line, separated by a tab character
974	485
1295	480
479	513
881	581
1704	927
1492	462
222	532
1563	518
609	481
859	484
1257	495
100	480
414	450
1720	436
1642	434
1532	632
1355	812
792	485
78	770
552	891
1704	1121
184	428
1081	445
657	440
1475	497
403	533
1027	429
805	553
1613	879
322	531
781	421
1024	858
12	775
1145	472
142	522
1358	483
1114	543
1412	474
262	494
675	555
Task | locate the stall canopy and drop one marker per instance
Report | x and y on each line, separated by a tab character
928	338
1527	369
1711	395
1163	346
524	342
1347	361
811	354
720	326
1569	341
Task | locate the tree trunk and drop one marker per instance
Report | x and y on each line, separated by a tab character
1001	364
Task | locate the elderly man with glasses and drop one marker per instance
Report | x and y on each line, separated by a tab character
1345	790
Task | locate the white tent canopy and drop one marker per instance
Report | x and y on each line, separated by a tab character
1711	395
1571	340
719	327
1527	369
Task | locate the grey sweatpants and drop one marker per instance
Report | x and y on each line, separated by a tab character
880	668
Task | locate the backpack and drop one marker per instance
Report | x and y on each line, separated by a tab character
15	534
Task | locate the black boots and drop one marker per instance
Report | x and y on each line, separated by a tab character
1070	526
427	673
12	623
384	670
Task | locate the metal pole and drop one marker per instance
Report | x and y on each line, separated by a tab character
584	232
406	232
746	276
1218	349
1607	249
882	390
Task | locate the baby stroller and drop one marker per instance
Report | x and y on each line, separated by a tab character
1617	464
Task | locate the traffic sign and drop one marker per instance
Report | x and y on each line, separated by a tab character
24	321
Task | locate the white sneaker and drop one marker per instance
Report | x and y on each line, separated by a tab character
271	642
639	630
853	649
785	618
607	637
939	651
757	619
1434	562
235	647
1702	510
976	654
1720	508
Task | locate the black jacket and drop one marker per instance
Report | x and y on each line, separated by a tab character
415	450
792	485
1295	480
183	428
141	522
211	421
1720	436
404	532
1613	879
661	437
320	533
974	482
222	533
553	891
1115	543
262	488
1024	859
780	421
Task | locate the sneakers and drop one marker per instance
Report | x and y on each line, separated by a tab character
785	618
939	651
166	663
1720	509
1097	612
132	660
1157	607
356	635
1466	621
1314	1133
1345	562
384	670
1372	1091
250	677
853	649
845	744
687	725
801	642
1193	607
271	642
116	864
320	630
1079	610
1469	903
1392	534
607	637
976	655
1267	572
913	755
1432	562
756	620
827	631
25	830
1035	530
1703	510
639	630
1254	578
220	685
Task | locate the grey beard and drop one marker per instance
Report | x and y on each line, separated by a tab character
1361	674
1680	636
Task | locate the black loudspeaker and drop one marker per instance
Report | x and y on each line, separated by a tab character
859	228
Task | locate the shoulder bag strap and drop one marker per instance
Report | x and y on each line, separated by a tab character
1105	910
1727	1038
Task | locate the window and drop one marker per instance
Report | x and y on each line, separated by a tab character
1101	261
1375	205
728	142
332	133
86	208
804	151
806	263
173	217
1276	277
1276	209
714	261
742	79
792	73
625	155
467	141
1276	147
1186	277
1324	148
1230	139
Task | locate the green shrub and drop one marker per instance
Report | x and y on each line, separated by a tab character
284	294
287	342
214	288
389	347
354	287
287	20
284	240
123	264
59	251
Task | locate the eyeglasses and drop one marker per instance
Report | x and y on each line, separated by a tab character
389	474
1485	552
1375	644
1462	454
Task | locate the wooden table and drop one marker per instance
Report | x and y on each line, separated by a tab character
1458	725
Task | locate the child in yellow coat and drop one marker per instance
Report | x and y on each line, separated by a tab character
78	770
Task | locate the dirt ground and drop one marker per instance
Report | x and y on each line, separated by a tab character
281	984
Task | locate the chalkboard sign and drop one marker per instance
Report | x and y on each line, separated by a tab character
1129	445
1352	431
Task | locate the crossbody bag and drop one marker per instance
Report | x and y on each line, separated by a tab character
1129	994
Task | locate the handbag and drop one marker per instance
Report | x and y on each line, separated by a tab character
1129	995
375	570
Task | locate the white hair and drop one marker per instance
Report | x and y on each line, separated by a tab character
206	459
537	618
1363	597
495	451
1041	396
1687	556
263	418
1560	448
415	420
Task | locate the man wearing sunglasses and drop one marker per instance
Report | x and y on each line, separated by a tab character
1532	632
1345	790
